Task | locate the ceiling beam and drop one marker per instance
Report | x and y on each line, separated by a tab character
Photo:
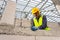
26	5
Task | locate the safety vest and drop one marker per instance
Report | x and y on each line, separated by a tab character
39	22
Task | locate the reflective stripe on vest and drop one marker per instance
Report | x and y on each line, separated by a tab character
39	22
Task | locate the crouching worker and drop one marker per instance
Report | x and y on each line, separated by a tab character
39	21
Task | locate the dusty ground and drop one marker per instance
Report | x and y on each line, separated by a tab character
18	37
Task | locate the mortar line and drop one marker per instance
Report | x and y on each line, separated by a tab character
35	37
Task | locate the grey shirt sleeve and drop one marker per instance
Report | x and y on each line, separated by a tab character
44	25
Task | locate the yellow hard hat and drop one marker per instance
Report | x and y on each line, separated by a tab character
34	10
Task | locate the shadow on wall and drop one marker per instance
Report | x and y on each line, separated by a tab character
59	23
56	2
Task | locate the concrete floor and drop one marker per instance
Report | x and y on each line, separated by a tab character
17	37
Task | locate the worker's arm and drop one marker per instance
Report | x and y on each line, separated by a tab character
33	28
44	25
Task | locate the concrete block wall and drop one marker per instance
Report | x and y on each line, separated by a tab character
9	13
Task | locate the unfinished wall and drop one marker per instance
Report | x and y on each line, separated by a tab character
9	13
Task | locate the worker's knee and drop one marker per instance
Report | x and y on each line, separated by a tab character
33	28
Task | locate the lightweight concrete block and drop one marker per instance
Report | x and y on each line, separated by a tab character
9	13
17	22
26	23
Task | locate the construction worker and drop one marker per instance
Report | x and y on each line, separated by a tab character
39	21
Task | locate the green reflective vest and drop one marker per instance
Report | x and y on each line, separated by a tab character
39	22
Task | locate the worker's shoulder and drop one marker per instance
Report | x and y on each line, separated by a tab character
44	17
